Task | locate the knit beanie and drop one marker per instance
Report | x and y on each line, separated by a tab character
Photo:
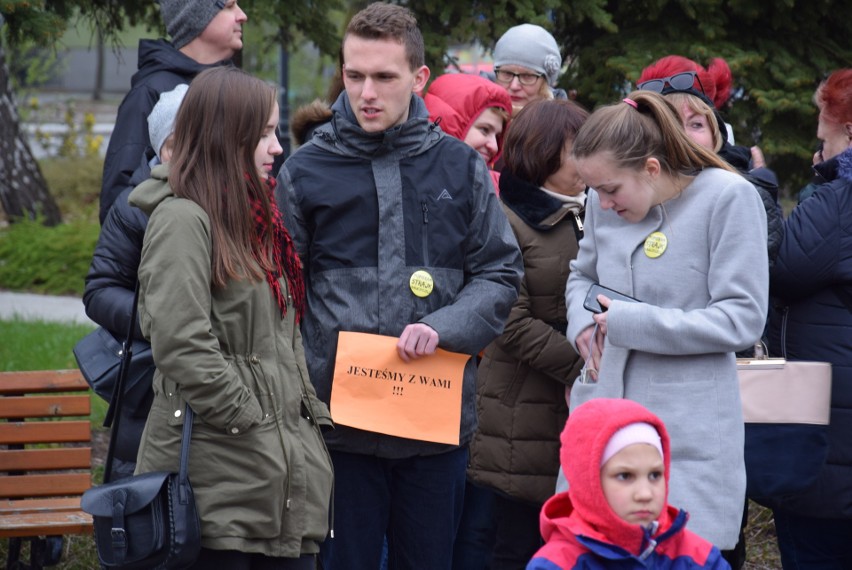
161	121
638	432
532	47
185	19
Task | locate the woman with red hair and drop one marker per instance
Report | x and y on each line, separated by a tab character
811	283
697	94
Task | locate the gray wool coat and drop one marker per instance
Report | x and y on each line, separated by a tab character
703	299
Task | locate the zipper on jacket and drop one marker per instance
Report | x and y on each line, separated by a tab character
784	316
578	221
425	240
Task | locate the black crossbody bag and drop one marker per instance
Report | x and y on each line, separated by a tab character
150	520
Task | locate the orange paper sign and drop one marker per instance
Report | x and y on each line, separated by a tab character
375	390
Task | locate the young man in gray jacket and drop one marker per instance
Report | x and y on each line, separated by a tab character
378	194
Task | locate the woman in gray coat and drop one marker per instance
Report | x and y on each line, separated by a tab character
670	224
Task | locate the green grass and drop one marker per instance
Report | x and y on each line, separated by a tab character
41	345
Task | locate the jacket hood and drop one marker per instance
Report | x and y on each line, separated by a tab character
157	56
148	195
307	118
586	434
343	135
455	101
561	522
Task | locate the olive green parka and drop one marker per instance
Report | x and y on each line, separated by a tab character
260	471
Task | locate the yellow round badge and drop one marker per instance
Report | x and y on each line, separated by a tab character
655	244
421	283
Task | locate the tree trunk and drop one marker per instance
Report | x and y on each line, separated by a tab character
23	190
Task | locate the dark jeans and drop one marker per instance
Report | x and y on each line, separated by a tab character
808	543
235	560
475	539
416	502
517	537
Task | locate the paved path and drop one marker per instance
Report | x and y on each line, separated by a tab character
42	308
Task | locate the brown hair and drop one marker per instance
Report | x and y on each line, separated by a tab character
380	21
533	147
651	129
217	130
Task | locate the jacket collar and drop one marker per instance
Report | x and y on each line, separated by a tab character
534	207
559	518
836	167
344	135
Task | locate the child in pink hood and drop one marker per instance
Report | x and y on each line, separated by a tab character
615	454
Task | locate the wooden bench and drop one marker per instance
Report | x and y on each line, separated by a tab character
45	461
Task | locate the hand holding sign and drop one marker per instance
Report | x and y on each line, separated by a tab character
417	340
374	389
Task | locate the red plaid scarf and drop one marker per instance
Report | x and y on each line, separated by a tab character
283	255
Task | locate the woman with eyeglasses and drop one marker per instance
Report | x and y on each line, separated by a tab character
812	285
669	224
527	64
697	93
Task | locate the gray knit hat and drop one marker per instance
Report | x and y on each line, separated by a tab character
186	19
161	121
532	47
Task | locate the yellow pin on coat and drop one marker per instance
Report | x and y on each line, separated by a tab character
655	244
421	283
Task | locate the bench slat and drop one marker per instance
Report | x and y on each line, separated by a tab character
45	524
19	407
32	382
56	485
44	432
46	459
22	506
25	509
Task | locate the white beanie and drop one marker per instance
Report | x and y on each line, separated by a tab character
638	432
532	47
161	121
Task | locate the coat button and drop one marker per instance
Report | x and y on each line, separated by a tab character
254	359
235	430
177	413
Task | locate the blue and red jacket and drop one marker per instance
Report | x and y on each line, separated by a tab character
573	544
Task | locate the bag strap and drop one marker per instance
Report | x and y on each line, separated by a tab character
183	471
113	417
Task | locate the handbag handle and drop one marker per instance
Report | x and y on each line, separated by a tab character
113	416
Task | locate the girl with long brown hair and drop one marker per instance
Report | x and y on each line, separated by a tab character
221	296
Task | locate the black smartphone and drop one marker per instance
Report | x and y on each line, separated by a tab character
591	301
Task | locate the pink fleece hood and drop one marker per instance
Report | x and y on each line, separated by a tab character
459	98
586	434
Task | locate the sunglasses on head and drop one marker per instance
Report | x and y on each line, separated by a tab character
683	81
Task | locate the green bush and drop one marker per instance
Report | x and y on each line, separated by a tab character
41	259
75	184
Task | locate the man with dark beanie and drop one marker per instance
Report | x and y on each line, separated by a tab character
204	33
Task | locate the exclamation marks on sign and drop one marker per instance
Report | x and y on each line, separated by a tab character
397	390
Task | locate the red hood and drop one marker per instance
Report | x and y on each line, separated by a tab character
459	98
587	431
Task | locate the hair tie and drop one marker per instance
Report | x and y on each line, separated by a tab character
631	102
